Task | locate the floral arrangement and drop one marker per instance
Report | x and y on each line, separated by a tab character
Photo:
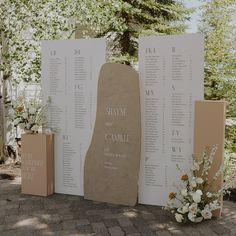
194	199
29	114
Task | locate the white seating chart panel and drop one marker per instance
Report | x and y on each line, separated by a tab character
70	71
171	79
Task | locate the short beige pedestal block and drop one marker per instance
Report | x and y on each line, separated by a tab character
209	131
37	164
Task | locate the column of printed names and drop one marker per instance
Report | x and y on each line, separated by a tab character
70	71
171	79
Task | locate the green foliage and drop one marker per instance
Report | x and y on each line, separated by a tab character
229	170
230	132
229	165
123	21
220	51
220	58
23	24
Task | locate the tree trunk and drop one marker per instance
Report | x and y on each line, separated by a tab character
2	129
1	123
7	139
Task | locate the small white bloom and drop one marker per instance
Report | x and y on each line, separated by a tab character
179	218
193	183
195	166
209	195
31	120
35	128
214	205
25	115
16	121
199	180
184	192
191	216
32	110
22	125
197	196
185	208
199	191
206	214
193	208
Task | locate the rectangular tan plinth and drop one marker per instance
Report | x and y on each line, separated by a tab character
209	129
37	164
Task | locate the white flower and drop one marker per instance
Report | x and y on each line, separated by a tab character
35	128
193	208
184	192
214	205
209	195
31	120
25	115
206	214
32	110
199	191
195	166
22	125
197	196
191	216
179	218
16	121
199	180
185	208
193	183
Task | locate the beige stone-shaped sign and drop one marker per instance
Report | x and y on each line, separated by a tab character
112	162
209	130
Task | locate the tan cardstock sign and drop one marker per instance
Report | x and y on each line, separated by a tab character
209	130
37	168
113	159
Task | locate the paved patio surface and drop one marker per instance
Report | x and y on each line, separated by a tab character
60	214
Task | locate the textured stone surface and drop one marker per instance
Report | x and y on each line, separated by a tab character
73	216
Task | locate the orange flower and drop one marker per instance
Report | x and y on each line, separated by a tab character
20	109
172	195
184	177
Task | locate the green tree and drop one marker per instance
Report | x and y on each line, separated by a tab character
123	21
220	51
219	28
23	24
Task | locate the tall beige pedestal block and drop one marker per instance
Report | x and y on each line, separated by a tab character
37	164
209	130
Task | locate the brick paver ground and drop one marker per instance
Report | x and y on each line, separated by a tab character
60	214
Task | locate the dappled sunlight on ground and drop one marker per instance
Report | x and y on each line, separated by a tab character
61	214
